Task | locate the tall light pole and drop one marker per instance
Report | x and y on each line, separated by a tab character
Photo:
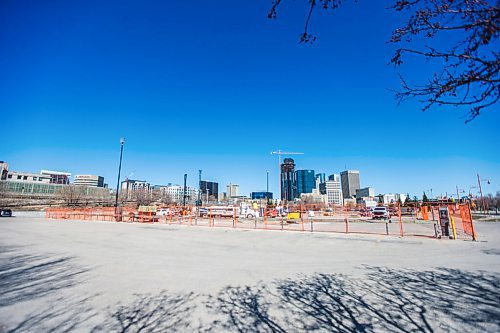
479	180
122	142
267	187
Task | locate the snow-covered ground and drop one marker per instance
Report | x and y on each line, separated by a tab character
58	275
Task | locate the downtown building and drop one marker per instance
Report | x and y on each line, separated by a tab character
350	183
89	180
57	177
288	180
306	182
176	193
130	187
209	188
232	190
332	190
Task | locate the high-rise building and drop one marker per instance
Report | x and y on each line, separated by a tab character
89	180
306	181
320	177
333	190
57	177
334	177
350	183
210	188
232	190
288	180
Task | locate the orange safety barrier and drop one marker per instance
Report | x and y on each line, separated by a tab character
403	221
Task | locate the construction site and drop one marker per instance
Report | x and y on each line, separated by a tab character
451	220
84	271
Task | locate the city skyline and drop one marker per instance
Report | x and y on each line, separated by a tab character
367	179
190	88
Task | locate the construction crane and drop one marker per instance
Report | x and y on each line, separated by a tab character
279	153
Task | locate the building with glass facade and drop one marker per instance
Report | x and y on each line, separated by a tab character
306	182
288	180
210	188
261	195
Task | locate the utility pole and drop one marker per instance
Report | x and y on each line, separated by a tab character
279	153
185	190
122	142
199	188
480	191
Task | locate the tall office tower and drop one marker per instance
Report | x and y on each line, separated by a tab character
232	190
288	180
212	188
334	177
350	183
306	181
320	177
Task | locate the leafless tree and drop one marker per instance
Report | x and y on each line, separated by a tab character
468	63
141	197
161	196
3	193
72	195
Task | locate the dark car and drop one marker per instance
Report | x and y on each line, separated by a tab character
5	213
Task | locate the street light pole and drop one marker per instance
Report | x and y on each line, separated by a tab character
267	186
122	142
480	191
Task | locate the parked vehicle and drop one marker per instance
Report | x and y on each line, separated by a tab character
5	213
381	213
164	212
248	212
218	211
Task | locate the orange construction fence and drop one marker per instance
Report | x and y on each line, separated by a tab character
400	221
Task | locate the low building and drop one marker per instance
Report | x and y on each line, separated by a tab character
312	198
176	193
401	196
4	170
365	192
261	195
57	177
89	180
129	187
389	198
27	177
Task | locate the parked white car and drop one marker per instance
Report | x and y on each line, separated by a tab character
381	212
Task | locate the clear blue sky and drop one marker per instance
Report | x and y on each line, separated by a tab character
215	85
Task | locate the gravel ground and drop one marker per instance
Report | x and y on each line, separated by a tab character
87	276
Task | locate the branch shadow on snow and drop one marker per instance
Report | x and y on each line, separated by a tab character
152	313
385	300
62	314
26	277
39	279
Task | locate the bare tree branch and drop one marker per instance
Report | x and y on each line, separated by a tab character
468	74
